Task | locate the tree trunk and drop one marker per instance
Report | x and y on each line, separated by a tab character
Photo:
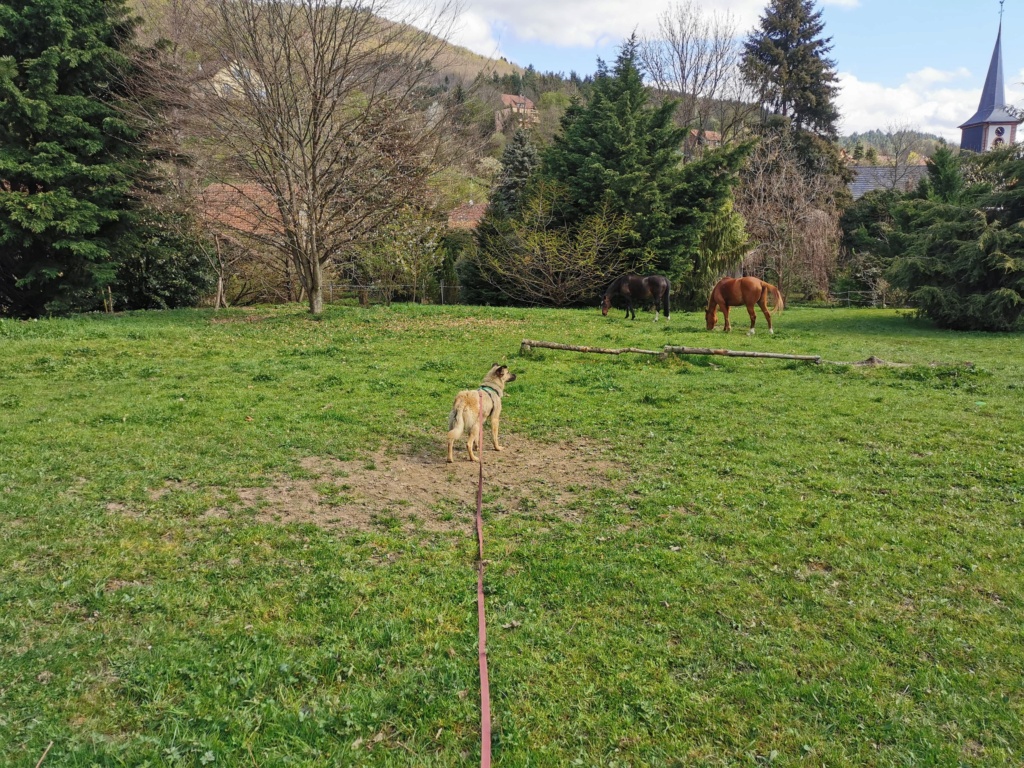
315	288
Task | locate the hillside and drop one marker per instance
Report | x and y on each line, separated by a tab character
459	63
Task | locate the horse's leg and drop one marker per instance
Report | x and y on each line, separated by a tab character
630	310
753	318
763	303
725	314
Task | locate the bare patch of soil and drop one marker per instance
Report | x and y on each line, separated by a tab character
245	319
423	492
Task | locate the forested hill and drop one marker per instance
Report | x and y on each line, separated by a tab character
891	143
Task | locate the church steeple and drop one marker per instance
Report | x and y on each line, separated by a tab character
992	124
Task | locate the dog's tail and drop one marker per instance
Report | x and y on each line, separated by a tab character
455	419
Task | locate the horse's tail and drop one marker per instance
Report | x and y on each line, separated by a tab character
779	303
665	296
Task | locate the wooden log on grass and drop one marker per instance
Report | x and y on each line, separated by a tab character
529	344
739	353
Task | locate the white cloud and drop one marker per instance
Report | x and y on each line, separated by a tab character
586	23
923	100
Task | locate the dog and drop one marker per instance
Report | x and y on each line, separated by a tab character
469	404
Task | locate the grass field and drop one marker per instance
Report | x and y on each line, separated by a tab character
781	563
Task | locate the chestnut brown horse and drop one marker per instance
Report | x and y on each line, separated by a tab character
633	289
734	291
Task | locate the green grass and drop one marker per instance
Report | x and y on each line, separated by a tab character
801	566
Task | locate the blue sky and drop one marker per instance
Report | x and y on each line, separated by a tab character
920	63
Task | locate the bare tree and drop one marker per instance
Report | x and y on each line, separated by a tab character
695	57
791	215
319	113
903	153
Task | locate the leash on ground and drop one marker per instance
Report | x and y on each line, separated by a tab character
485	688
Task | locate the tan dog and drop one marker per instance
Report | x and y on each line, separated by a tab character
469	403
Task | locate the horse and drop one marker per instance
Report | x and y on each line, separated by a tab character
636	289
734	291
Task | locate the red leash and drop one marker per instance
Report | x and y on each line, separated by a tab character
485	687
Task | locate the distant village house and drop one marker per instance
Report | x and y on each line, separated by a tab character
515	109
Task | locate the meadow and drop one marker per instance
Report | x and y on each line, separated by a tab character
740	562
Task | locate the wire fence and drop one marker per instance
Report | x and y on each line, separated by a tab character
446	293
436	293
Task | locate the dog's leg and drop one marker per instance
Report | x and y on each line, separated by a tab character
474	431
455	422
494	432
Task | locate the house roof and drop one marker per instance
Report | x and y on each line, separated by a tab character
868	178
510	100
992	107
243	208
710	136
467	215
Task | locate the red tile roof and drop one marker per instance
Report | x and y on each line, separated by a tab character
466	216
509	100
244	208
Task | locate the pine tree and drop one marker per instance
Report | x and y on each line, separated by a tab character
786	60
519	159
963	264
618	155
69	160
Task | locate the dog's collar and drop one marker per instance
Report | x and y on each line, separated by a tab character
491	389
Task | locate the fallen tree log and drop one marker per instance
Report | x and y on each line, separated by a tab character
739	353
667	350
529	344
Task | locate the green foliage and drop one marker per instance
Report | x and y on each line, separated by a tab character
961	244
616	153
161	267
535	260
69	158
518	162
478	281
723	245
785	59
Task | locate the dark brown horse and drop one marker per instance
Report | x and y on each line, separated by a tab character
633	289
734	291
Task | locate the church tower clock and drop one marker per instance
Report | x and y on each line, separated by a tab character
994	124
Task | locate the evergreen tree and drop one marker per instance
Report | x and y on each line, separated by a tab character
618	155
786	60
518	162
69	160
963	261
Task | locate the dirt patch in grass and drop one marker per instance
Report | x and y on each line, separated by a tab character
392	490
236	319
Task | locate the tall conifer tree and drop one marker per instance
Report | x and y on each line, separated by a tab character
616	153
786	59
68	159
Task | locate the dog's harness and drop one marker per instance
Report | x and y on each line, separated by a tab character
491	392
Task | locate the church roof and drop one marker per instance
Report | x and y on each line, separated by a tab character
992	107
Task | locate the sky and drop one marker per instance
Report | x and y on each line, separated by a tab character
912	63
